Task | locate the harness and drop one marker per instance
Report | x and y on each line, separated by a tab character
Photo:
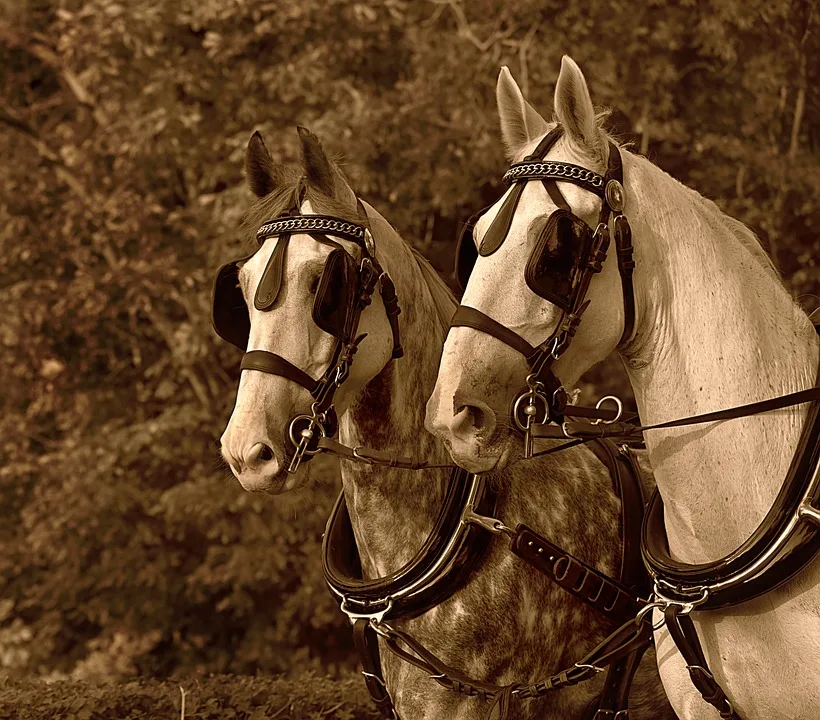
566	256
344	291
446	562
458	542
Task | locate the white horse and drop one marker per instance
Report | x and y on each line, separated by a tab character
715	328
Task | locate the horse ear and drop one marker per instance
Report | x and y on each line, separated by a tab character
520	121
321	172
263	174
574	110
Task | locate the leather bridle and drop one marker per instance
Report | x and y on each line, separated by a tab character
306	430
544	399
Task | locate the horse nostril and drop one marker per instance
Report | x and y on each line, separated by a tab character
470	420
257	455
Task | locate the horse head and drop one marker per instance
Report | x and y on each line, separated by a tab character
291	305
517	270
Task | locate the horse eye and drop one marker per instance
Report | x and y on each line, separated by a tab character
314	283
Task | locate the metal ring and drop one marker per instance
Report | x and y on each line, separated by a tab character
313	422
530	396
619	405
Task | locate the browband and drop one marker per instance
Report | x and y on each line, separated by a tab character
312	223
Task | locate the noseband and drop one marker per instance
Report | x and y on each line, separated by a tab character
578	251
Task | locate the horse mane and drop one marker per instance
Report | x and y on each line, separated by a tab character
443	298
666	187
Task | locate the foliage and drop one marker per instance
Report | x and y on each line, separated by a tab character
212	698
123	126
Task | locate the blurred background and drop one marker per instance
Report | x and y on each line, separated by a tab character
127	548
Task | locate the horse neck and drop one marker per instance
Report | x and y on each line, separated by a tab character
717	330
392	510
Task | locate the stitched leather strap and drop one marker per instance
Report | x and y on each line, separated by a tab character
367	645
683	632
573	575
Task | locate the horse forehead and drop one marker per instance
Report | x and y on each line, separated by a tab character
301	248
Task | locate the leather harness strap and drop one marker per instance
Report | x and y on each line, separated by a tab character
683	632
367	645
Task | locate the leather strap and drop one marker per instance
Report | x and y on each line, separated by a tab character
391	306
497	232
580	580
683	632
626	265
369	456
466	316
271	282
269	362
367	644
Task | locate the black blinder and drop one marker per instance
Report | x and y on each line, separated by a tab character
336	294
466	253
552	271
229	314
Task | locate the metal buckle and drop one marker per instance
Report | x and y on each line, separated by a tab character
375	618
686	606
583	666
558	346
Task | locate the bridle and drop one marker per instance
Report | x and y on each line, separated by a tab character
544	399
344	291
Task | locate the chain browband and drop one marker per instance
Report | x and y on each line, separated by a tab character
312	223
555	170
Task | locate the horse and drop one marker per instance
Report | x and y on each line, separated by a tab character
713	328
508	622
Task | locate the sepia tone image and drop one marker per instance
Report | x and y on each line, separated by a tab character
409	359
